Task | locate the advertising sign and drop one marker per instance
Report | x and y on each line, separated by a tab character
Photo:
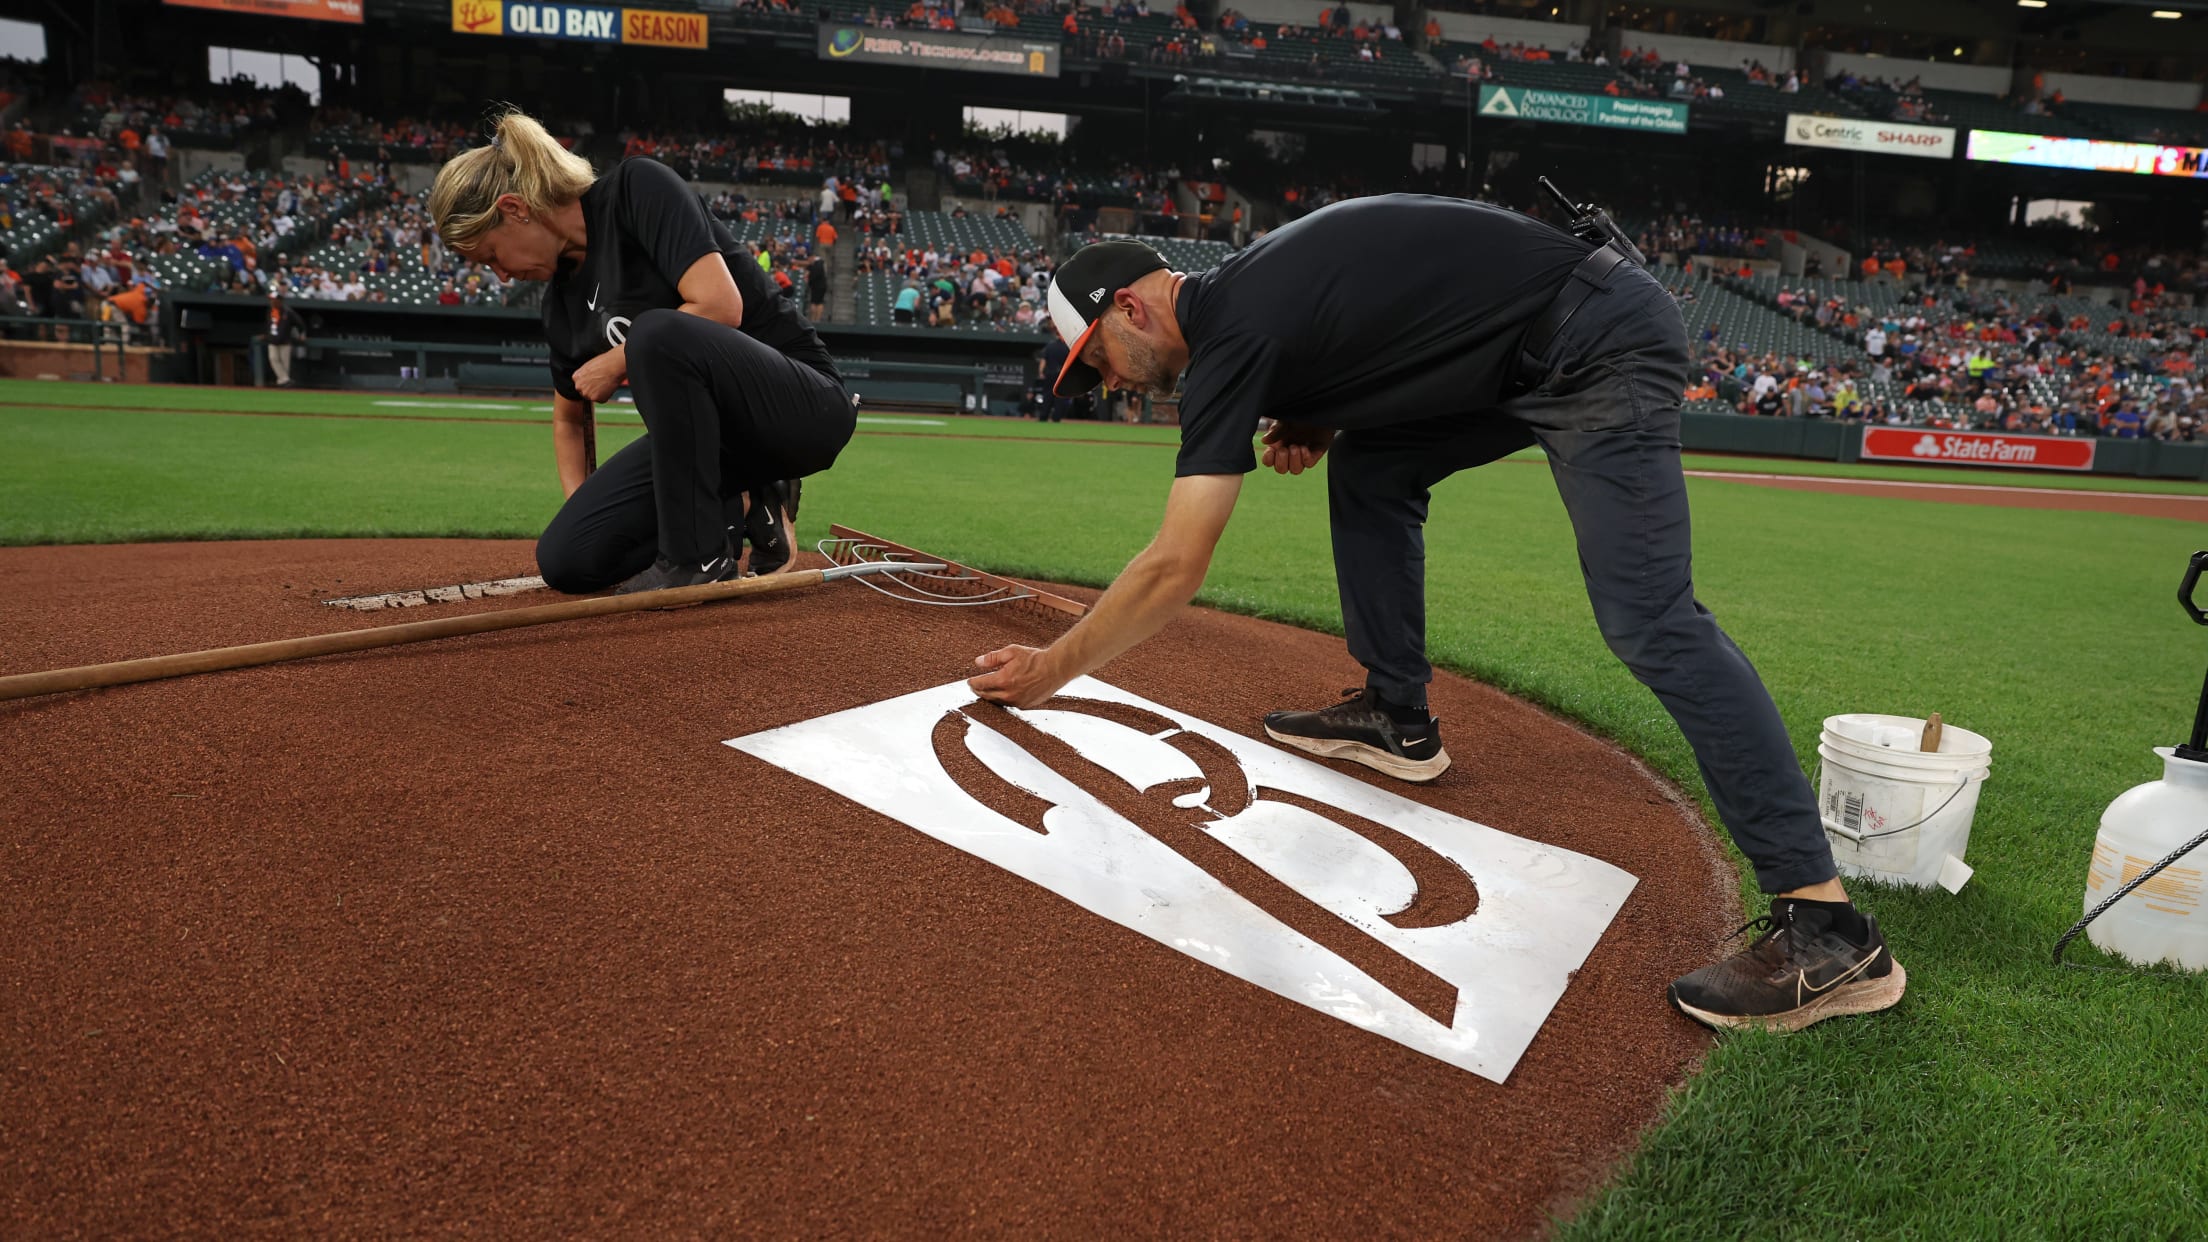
1976	448
588	23
941	50
1880	137
2088	155
1571	108
313	10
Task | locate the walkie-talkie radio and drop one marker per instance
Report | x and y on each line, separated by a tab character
1592	224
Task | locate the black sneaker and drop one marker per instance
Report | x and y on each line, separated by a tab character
1360	729
769	527
1799	971
665	573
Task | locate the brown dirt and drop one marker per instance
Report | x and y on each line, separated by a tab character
2193	508
492	935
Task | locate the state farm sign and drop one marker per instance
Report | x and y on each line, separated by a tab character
1976	448
1884	137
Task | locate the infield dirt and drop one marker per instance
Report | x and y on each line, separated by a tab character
493	935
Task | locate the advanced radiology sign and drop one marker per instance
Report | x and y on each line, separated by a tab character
1523	103
931	49
1439	933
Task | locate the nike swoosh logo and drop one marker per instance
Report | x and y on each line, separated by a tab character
593	303
1802	983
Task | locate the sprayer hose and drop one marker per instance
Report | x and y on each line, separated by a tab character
2122	893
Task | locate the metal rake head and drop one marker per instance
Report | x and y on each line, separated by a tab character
931	583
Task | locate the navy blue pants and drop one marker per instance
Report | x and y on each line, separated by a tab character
723	415
1604	405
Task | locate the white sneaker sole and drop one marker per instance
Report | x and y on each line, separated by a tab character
1869	996
1417	770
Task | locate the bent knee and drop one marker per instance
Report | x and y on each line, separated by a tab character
566	572
653	332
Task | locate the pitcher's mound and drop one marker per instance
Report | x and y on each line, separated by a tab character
494	935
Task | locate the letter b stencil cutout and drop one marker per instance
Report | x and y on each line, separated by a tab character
1442	934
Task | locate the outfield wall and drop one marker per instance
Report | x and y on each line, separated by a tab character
1825	440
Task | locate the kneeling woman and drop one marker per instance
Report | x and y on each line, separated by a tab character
735	388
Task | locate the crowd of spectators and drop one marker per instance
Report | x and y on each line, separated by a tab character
1944	359
992	290
46	270
405	138
1892	99
1479	64
1685	235
769	148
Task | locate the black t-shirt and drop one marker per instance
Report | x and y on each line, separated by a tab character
1369	312
646	227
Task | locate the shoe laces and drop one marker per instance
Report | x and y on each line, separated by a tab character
1356	701
1780	938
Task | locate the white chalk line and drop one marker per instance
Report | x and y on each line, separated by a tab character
456	593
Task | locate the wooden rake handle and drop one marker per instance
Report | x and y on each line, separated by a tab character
156	668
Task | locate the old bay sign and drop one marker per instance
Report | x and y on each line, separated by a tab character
1425	928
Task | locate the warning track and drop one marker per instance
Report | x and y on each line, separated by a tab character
494	935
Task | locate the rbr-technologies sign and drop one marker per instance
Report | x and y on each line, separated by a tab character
1009	53
1976	448
1881	137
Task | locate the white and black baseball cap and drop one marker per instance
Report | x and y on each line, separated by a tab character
1081	294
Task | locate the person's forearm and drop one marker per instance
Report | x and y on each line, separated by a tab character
574	442
1141	600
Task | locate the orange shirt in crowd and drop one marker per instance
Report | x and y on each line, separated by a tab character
132	302
825	235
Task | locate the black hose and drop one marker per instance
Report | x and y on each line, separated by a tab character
2119	895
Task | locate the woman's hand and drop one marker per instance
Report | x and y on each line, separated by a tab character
600	377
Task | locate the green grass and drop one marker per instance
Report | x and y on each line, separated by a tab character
2003	1099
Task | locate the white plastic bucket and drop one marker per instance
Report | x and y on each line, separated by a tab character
1894	812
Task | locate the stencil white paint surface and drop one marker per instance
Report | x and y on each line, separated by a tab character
1540	908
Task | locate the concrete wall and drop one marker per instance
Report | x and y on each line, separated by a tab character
1939	75
1470	28
2087	88
1719	53
48	360
186	163
1306	12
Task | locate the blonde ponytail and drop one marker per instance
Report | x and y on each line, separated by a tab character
522	160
